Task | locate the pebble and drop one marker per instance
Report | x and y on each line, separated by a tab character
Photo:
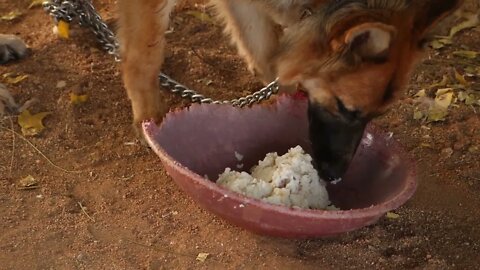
61	84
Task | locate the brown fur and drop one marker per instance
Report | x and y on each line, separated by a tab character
336	49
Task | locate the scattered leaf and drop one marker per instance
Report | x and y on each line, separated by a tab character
426	145
438	111
78	99
474	149
202	256
420	94
466	54
418	115
472	99
391	215
462	96
28	182
63	29
202	16
461	79
31	124
36	3
12	15
472	71
471	22
13	79
440	43
444	97
443	83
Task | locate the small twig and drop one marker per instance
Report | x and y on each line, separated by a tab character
13	149
38	151
28	188
85	212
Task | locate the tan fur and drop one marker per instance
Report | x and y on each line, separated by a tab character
319	44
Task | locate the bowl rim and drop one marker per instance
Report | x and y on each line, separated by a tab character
398	200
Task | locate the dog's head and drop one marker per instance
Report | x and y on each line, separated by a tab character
354	58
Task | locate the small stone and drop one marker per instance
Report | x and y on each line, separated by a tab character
447	153
61	84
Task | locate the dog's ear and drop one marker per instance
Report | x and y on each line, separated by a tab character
369	40
428	13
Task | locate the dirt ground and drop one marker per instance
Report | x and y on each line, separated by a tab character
134	217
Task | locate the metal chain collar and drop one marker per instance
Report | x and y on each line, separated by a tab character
87	16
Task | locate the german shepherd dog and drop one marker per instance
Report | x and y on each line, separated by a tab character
352	57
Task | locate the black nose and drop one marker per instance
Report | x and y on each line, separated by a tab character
334	140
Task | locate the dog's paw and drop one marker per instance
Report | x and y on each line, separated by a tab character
11	48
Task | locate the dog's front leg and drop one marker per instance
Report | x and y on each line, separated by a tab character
254	33
142	27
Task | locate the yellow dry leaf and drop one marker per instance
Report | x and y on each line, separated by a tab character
36	3
471	22
466	54
462	96
63	29
472	99
444	97
440	43
391	215
444	82
78	99
202	16
12	15
202	256
31	124
12	79
28	181
418	114
461	78
420	94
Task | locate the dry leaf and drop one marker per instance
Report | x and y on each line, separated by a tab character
472	71
36	3
438	111
202	16
472	99
78	99
466	54
12	15
444	97
391	215
461	78
440	43
420	94
31	124
202	256
443	83
27	182
63	29
12	79
471	22
462	96
418	115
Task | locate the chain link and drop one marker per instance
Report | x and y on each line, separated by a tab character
87	16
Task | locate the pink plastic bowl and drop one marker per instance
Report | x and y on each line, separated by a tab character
203	139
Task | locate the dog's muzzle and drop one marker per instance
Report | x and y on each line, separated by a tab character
334	141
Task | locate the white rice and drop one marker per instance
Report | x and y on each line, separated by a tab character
289	180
